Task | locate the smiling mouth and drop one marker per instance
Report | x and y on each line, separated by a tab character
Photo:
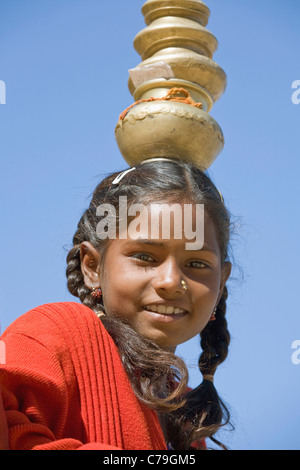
164	310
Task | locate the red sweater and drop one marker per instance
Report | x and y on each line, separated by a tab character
64	386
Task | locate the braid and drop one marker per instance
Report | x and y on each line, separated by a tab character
215	339
73	271
75	281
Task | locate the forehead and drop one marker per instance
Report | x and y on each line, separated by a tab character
163	224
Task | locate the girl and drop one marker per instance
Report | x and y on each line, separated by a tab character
103	374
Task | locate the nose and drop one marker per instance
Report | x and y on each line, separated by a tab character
167	280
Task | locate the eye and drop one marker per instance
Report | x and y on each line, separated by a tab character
198	264
142	257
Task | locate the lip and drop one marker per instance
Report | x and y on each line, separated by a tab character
164	317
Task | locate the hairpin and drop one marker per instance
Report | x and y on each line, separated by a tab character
121	175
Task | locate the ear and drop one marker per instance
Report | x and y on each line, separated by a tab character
226	271
90	264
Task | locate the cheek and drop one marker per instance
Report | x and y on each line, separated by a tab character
206	295
205	301
120	292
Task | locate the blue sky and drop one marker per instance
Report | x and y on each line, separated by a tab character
65	65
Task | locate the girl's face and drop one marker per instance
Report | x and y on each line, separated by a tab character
141	280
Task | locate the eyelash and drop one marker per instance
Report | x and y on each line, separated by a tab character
204	265
139	257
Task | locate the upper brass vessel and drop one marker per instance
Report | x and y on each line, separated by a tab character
176	51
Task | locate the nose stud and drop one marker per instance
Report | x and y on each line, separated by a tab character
183	283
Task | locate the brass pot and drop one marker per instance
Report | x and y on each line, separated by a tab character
169	129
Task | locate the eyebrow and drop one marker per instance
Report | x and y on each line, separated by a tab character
147	241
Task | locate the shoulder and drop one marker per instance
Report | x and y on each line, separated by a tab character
53	322
56	337
54	312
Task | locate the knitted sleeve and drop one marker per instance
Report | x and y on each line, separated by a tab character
39	390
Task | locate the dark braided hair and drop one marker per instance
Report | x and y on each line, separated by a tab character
199	414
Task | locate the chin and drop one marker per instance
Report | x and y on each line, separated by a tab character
165	342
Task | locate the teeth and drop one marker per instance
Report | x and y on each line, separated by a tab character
164	309
178	310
